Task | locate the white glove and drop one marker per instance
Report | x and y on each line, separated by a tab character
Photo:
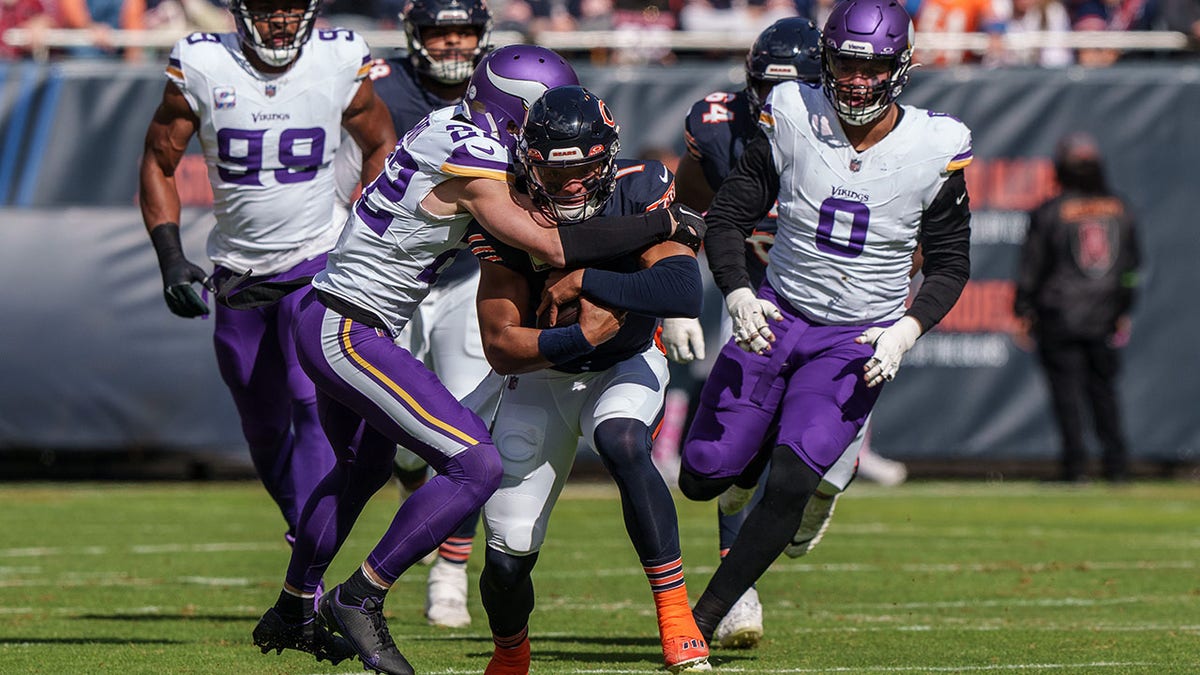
684	340
891	344
750	316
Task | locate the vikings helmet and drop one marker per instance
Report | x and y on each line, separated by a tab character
789	49
876	31
246	12
567	153
441	65
506	82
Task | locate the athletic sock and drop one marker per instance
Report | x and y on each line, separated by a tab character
358	588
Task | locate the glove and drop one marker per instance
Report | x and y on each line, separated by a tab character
750	315
689	226
891	344
178	273
684	340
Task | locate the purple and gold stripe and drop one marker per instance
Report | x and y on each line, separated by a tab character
960	161
397	391
175	68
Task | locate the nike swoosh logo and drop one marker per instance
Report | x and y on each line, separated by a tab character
484	149
666	173
961	198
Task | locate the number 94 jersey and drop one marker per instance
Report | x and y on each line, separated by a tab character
269	143
849	221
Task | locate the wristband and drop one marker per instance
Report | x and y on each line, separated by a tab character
560	345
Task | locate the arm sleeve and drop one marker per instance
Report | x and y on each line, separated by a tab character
744	199
600	239
669	288
946	242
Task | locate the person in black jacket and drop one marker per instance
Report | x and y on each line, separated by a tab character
1075	289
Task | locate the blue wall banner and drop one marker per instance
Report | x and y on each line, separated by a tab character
92	358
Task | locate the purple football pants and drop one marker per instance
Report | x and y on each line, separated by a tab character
811	382
275	400
373	395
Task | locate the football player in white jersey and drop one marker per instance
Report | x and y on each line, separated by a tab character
860	182
268	104
601	379
451	168
446	39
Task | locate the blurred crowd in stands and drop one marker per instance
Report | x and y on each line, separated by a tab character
993	18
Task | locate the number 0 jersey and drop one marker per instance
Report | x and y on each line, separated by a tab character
849	221
269	143
391	250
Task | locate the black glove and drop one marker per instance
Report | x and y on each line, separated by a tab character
689	226
178	273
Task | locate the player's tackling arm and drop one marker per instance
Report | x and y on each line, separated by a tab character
369	123
514	220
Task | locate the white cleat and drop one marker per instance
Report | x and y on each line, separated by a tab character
879	469
735	498
742	626
446	598
817	514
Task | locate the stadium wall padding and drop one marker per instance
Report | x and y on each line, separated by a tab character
92	359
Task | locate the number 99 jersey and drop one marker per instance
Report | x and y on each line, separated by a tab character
849	221
269	143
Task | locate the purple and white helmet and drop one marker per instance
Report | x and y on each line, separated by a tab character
507	81
858	31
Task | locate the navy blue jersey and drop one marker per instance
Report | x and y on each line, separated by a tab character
717	129
641	186
397	85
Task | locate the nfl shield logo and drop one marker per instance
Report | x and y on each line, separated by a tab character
855	165
270	90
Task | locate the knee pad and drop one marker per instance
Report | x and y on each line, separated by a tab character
622	443
504	572
477	469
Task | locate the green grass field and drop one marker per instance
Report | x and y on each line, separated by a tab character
925	578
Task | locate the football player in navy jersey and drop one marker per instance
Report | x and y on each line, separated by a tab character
446	39
859	182
268	104
451	169
601	379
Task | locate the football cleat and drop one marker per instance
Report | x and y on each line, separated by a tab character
735	498
446	595
513	661
684	648
817	514
366	630
742	626
273	632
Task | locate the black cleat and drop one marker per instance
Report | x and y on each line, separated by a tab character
366	630
273	632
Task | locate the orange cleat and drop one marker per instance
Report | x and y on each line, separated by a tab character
510	660
684	649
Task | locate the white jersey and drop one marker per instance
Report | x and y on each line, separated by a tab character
849	221
269	142
391	249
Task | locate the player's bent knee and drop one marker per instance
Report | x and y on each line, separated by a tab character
699	488
478	469
623	442
504	572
